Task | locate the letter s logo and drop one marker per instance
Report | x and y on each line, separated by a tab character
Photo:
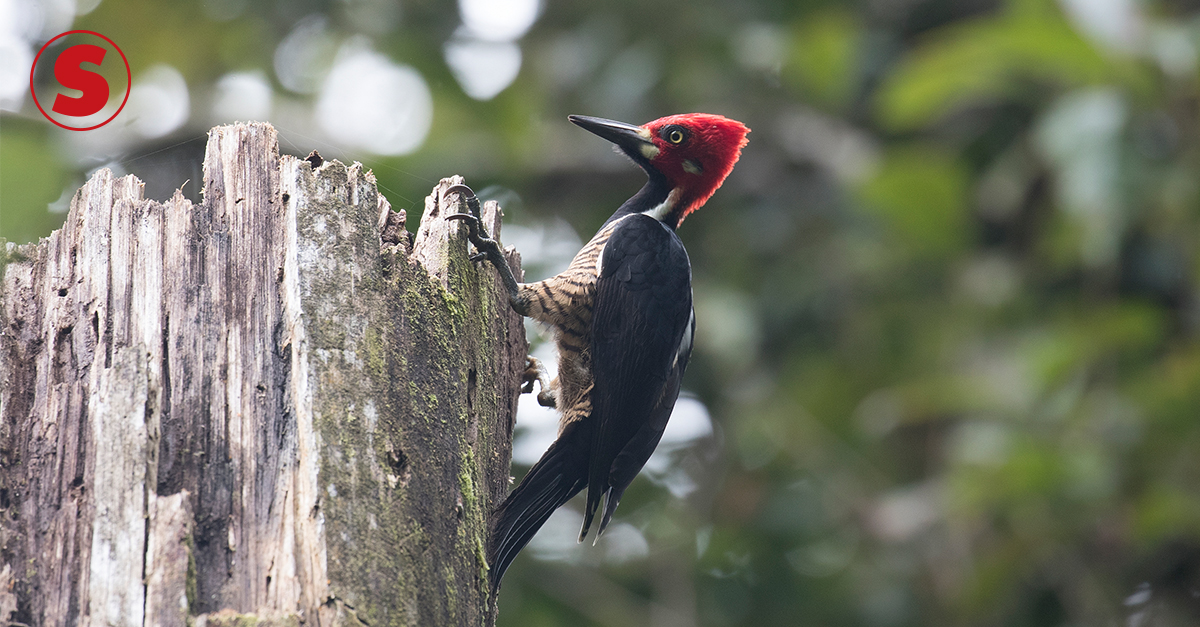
69	73
101	84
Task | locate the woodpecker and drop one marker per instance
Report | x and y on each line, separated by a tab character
623	324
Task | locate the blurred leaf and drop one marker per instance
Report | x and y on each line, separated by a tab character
31	177
921	192
1128	330
983	60
1165	513
825	56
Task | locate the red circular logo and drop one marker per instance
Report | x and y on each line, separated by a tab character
94	84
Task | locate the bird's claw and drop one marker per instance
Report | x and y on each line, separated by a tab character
468	195
535	371
489	249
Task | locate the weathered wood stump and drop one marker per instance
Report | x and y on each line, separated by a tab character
254	405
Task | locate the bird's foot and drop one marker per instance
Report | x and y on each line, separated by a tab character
489	249
535	371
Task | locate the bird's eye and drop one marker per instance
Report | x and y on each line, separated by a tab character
675	135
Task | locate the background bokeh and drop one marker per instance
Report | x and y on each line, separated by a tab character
947	370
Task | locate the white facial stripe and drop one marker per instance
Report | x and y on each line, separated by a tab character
649	151
660	212
691	167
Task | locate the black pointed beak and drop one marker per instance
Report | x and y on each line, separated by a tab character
634	140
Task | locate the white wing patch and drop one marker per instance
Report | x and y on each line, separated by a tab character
685	343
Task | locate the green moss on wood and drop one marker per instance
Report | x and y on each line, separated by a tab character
410	506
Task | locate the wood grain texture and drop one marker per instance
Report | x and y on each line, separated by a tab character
169	557
251	405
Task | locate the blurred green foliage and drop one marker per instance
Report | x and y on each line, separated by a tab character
948	299
31	178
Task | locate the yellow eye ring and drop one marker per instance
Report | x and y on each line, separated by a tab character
675	136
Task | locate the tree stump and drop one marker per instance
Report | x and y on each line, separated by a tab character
271	403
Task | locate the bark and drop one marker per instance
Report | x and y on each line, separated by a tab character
271	403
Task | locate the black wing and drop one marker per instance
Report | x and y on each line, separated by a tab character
641	340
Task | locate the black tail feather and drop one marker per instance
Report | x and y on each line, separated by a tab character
611	499
589	511
559	475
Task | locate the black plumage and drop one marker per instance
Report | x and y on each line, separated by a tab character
643	305
639	341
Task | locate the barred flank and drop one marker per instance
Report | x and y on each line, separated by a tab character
564	301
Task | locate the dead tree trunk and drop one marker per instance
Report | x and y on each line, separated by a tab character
255	405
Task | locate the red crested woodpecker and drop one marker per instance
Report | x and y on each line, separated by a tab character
623	323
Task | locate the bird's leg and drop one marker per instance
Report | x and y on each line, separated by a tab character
535	370
489	249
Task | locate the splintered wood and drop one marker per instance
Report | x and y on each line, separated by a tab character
252	406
